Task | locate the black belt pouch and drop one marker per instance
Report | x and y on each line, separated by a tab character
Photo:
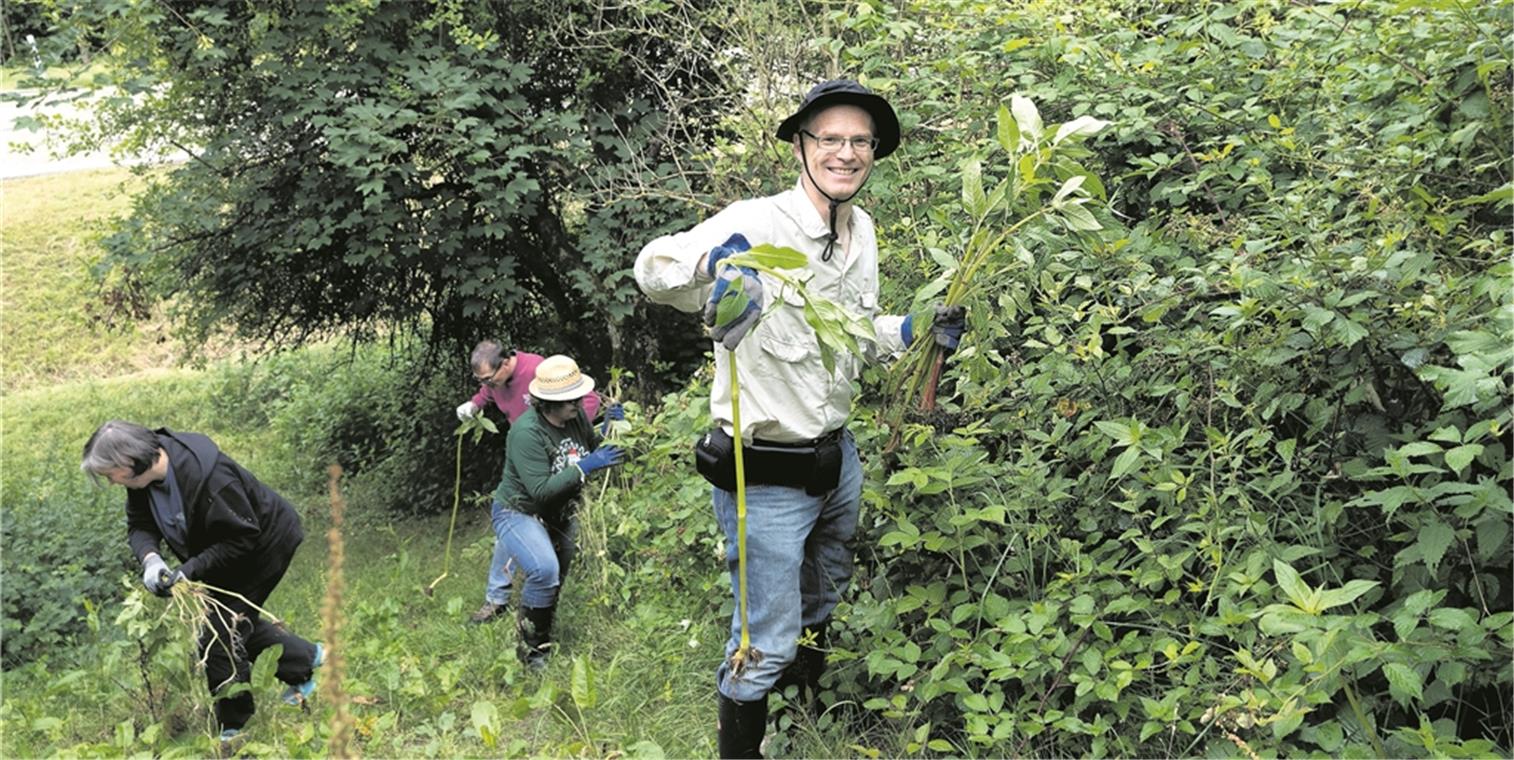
816	467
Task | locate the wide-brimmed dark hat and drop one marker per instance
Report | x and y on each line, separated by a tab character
839	92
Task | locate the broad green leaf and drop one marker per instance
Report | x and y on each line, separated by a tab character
1346	594
1418	449
1453	618
1125	462
1068	188
1434	538
1078	218
973	199
1461	456
1083	126
1009	131
486	722
1294	586
1026	116
585	694
1404	683
732	303
768	256
1122	433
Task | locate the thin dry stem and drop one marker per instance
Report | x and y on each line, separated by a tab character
342	723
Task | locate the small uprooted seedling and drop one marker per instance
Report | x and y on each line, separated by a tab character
477	425
1037	162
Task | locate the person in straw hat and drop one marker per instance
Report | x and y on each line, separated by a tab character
550	452
504	377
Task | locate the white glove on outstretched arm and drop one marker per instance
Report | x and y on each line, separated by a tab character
468	409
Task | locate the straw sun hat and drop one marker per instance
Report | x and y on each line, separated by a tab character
558	379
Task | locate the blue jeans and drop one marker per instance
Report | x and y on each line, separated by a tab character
542	551
501	568
799	562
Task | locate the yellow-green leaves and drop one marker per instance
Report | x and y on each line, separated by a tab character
1316	600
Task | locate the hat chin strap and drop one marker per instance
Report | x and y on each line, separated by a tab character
830	244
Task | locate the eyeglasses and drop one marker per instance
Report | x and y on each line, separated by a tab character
833	143
488	379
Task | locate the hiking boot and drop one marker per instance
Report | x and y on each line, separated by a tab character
298	694
490	611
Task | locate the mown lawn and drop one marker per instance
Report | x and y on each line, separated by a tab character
52	316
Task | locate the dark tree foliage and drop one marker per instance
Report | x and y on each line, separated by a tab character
459	169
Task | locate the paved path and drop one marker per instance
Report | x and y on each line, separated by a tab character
24	153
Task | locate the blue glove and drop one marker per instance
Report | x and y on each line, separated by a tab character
600	458
157	577
613	413
730	332
946	327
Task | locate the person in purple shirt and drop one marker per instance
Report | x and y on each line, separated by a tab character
504	376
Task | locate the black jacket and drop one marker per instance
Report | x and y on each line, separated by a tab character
240	532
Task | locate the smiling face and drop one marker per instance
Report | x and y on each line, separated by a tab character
838	172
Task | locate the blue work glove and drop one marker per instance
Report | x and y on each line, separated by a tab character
156	575
600	458
613	413
730	332
946	327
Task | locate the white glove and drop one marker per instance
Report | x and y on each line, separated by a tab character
468	409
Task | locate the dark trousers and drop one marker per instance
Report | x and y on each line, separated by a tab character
229	657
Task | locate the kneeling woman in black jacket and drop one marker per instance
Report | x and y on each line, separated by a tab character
229	531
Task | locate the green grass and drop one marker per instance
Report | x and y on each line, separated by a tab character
49	303
634	673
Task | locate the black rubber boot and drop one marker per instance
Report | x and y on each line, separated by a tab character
742	725
808	665
535	629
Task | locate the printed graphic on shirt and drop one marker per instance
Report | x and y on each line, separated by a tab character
568	452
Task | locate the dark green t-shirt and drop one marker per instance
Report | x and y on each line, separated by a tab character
541	477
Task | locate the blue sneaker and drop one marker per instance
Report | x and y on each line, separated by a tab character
228	734
298	695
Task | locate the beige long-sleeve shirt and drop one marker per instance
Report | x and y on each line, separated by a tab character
786	394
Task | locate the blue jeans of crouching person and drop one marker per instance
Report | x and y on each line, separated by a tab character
542	551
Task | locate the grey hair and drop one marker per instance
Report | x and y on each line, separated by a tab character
488	354
119	444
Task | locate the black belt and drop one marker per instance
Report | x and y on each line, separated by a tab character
831	437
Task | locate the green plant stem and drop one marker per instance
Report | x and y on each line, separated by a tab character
746	634
1356	709
457	498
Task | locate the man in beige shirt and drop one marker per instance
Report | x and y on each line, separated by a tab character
804	479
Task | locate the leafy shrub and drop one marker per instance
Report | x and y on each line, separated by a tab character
57	557
387	418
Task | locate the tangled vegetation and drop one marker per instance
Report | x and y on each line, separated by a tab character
1223	466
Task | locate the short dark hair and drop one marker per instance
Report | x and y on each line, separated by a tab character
544	406
488	354
120	444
